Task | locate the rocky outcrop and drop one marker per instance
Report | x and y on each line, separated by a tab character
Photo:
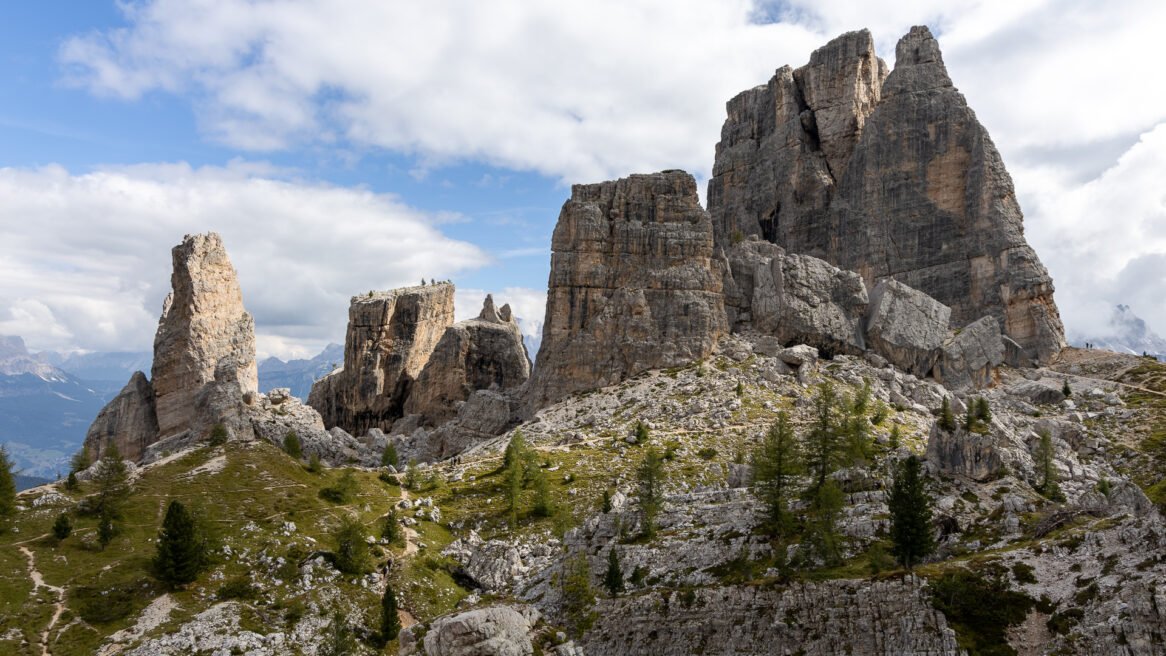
494	631
906	326
472	355
971	355
128	421
973	455
389	341
796	298
203	321
633	285
204	358
888	176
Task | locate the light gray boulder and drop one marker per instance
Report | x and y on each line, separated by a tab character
906	326
1039	392
959	452
495	631
969	358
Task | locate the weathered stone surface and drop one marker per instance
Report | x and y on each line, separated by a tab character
889	177
203	321
975	456
633	285
906	326
796	298
970	356
471	355
389	340
128	421
1039	392
494	631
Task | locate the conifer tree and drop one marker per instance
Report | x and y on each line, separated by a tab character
219	435
650	478
577	594
81	459
351	555
910	509
71	483
63	527
111	483
391	532
179	557
544	504
1066	390
7	489
946	420
291	445
605	505
824	510
777	460
514	479
105	531
1045	456
390	621
613	579
896	437
339	640
983	412
389	457
824	445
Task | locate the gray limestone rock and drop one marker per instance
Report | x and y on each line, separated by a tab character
633	285
971	355
906	326
493	631
1039	392
959	452
128	421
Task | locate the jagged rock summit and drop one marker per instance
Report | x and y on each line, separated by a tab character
203	332
888	175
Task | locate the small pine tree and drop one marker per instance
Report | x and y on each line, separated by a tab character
63	527
910	509
391	532
946	420
739	389
314	465
824	449
641	432
390	621
895	438
861	401
105	531
351	555
613	578
577	594
339	640
389	457
983	412
179	557
514	478
71	483
775	462
1045	457
544	504
342	491
81	459
970	421
650	477
291	445
411	475
605	504
1066	390
111	482
219	435
825	509
7	488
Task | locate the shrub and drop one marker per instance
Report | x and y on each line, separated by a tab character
351	555
980	606
342	491
101	604
218	435
1062	622
708	453
238	587
291	445
1023	573
63	527
389	479
314	466
1066	390
389	457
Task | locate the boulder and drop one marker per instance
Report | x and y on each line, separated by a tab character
886	175
959	452
971	355
633	285
1039	392
494	631
906	326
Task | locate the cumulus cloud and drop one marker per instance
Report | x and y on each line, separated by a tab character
98	282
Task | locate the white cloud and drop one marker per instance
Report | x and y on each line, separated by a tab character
85	259
594	89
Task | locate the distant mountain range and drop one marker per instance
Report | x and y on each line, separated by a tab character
298	375
1126	333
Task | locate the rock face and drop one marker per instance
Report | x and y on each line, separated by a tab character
203	321
969	357
471	355
128	420
495	631
966	454
389	340
204	358
796	298
885	175
633	285
906	326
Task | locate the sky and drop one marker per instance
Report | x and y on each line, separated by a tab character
350	145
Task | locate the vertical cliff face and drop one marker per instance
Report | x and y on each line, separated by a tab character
886	175
203	328
389	340
472	355
633	285
203	321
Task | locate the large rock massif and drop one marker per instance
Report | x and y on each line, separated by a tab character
204	333
888	175
633	285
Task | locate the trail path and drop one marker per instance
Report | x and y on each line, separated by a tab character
38	581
